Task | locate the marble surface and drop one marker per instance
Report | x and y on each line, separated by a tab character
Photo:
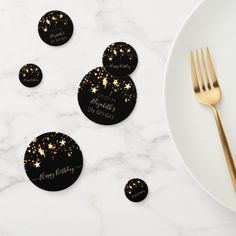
138	147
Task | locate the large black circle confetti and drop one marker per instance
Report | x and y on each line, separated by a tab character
136	190
106	99
55	28
53	161
120	59
30	75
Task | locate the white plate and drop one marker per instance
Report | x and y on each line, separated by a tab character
191	125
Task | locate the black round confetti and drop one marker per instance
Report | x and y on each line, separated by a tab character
55	28
136	190
120	59
106	99
53	161
30	75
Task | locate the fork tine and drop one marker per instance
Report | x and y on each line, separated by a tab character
201	81
211	69
205	71
194	75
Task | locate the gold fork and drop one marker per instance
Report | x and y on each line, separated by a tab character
207	92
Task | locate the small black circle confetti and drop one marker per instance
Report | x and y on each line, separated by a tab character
55	28
136	190
105	99
53	161
30	75
120	59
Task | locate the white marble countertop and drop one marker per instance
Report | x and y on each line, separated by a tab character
138	147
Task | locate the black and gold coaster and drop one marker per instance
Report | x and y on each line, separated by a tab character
53	161
120	59
136	190
105	99
30	75
55	28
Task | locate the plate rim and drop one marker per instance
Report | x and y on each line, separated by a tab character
177	151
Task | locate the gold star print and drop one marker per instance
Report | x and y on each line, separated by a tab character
127	86
41	152
115	82
50	146
37	164
104	82
94	90
115	52
62	142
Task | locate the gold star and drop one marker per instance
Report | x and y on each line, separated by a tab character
94	90
127	86
110	58
104	82
62	142
115	52
115	82
50	146
41	152
37	164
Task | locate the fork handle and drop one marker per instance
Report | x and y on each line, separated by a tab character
227	152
